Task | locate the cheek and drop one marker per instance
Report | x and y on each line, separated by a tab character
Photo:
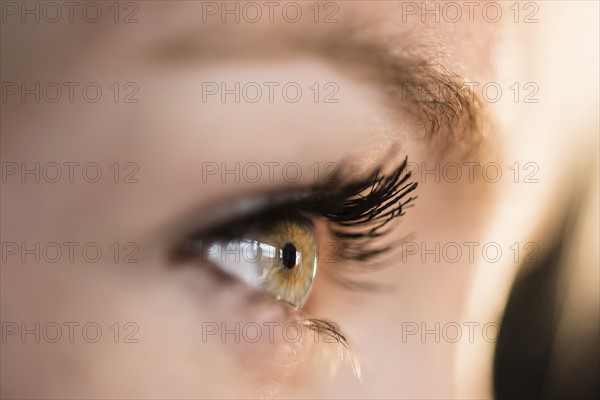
164	332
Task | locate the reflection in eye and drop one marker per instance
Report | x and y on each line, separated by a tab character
281	259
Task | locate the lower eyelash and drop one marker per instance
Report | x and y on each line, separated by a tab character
330	330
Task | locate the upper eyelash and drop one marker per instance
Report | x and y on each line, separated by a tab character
369	205
358	211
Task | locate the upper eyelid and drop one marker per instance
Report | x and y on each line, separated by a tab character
228	214
228	211
247	207
257	220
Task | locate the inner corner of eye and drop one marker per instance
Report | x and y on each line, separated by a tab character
280	258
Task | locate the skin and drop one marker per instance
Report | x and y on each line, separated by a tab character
171	132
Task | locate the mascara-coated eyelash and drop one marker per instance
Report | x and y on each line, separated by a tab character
361	211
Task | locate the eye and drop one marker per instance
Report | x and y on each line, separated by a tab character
273	246
270	241
280	259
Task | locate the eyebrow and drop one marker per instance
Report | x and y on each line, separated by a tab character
451	114
453	117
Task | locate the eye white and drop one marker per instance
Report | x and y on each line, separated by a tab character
245	259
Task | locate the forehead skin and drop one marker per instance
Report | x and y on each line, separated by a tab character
395	24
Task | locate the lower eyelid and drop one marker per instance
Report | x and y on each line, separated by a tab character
231	297
287	337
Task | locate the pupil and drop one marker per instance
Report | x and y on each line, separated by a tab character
288	255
